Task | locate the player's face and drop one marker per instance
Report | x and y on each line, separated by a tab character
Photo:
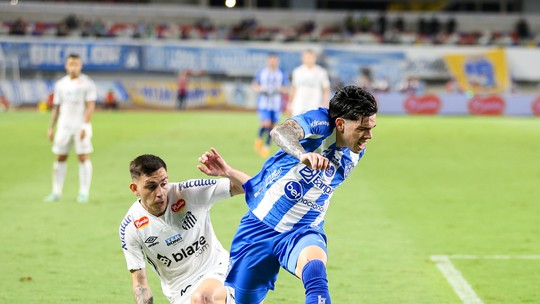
73	67
309	58
153	190
354	134
273	62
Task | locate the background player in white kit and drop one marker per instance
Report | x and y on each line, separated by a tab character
74	102
169	225
310	86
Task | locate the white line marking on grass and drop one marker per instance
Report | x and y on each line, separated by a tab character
456	280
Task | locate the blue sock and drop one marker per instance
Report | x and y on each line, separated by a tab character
315	283
261	131
269	138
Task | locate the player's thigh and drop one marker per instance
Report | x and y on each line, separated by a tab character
307	247
63	142
84	146
254	266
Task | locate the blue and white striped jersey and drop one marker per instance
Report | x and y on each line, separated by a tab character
271	83
286	193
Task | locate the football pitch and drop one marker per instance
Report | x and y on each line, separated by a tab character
439	210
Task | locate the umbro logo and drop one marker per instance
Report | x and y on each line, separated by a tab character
151	239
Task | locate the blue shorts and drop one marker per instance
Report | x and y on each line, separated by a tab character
273	116
258	251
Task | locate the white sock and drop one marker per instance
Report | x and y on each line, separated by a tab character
85	177
59	175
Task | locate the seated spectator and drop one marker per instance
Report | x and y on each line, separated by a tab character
411	85
109	102
18	27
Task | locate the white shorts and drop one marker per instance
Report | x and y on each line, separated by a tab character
65	138
218	272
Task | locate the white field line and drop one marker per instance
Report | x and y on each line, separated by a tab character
457	281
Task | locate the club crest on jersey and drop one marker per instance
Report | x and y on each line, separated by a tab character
189	221
293	190
330	171
143	221
179	205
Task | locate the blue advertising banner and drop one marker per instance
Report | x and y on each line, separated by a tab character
346	64
234	60
96	55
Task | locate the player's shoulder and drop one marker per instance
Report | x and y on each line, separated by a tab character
86	78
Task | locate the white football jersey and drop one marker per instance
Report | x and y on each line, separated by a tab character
70	95
181	244
309	84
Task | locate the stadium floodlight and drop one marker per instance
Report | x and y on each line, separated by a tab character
14	2
230	3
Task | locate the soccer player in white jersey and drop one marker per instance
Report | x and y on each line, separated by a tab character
169	226
310	85
289	197
74	102
270	83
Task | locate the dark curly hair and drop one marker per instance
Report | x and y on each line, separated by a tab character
352	103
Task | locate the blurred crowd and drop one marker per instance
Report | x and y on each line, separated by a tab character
430	29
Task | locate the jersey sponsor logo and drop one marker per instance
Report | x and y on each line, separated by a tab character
179	205
165	260
268	180
308	175
314	177
316	123
151	241
313	205
189	221
143	221
184	290
198	183
173	240
123	226
293	190
490	105
195	249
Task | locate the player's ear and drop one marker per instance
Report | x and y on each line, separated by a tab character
133	188
340	124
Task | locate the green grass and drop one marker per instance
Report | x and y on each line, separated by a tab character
427	185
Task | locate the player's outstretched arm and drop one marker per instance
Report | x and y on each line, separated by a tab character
141	289
215	165
287	136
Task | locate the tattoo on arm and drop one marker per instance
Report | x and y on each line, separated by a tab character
141	290
287	136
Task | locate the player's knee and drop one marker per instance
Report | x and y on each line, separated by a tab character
314	270
315	282
200	297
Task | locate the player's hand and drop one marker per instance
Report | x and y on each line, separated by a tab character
314	161
50	134
82	134
213	164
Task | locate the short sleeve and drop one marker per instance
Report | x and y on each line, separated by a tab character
91	93
206	192
325	80
315	122
130	246
56	94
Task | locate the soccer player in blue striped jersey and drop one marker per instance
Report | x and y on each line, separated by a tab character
289	197
270	82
